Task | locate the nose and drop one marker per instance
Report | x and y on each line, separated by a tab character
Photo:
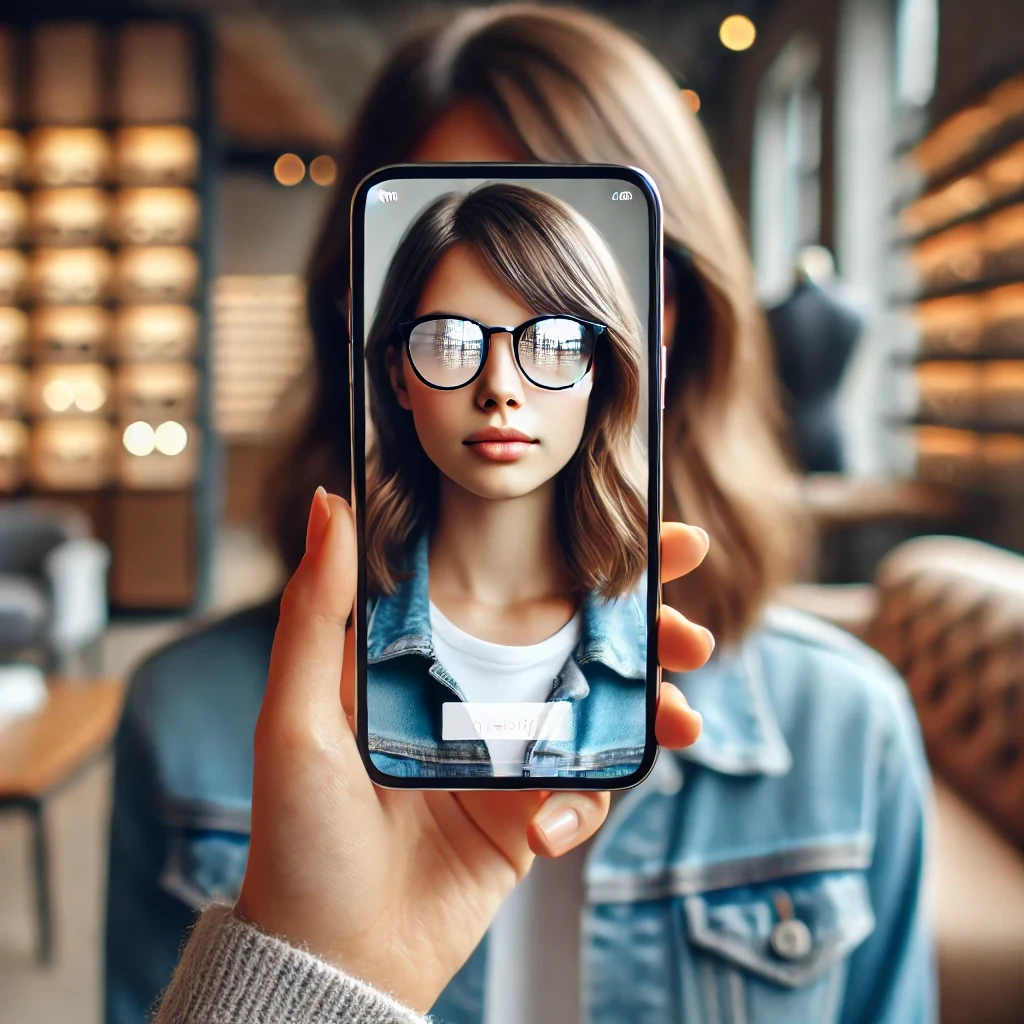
500	383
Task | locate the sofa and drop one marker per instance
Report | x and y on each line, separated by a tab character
948	612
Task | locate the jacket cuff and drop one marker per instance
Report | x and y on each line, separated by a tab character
232	973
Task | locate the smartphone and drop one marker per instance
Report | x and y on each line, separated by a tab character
507	387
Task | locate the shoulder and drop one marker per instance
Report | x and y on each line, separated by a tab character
819	677
213	674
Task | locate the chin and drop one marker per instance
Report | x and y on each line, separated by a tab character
499	486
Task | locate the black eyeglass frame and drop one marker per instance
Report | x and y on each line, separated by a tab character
406	327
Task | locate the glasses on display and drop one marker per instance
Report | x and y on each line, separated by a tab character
554	351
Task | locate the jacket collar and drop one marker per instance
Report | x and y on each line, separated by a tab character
741	733
400	622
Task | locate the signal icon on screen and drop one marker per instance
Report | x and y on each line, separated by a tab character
621	197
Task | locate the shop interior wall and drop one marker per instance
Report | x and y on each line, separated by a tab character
263	228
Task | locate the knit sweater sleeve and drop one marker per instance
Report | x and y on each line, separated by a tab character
232	973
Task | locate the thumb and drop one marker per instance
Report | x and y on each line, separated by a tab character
309	645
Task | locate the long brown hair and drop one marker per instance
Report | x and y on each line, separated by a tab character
569	87
547	255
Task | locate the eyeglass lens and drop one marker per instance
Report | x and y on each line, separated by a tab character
553	353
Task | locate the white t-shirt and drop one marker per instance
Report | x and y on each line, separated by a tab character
527	979
488	673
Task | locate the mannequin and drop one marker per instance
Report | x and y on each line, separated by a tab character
815	331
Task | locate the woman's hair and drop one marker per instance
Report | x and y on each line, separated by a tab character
569	86
554	260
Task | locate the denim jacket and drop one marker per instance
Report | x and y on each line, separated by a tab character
771	874
603	680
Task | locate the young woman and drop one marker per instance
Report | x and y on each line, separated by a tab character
772	872
505	455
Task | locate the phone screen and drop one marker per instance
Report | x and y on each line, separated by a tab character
506	474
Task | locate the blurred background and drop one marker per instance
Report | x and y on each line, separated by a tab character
162	172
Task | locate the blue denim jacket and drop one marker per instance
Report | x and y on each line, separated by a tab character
772	874
603	680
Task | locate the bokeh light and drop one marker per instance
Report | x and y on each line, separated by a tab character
737	32
323	170
139	438
58	395
89	396
171	438
692	99
289	169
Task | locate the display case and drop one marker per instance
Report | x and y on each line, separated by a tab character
959	285
106	191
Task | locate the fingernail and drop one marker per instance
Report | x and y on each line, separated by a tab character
711	639
559	825
704	534
319	516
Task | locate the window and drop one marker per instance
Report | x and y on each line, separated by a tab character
786	200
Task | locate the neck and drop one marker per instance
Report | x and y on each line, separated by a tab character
497	553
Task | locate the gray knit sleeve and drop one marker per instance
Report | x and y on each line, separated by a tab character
232	973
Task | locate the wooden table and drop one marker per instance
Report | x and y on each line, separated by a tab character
42	751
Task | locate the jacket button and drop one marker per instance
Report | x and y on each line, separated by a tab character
791	939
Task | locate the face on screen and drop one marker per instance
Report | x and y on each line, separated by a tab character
498	436
506	509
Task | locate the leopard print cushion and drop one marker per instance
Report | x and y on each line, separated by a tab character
950	617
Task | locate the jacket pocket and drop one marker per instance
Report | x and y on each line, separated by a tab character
207	851
777	951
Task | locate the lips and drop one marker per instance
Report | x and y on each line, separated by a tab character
499	444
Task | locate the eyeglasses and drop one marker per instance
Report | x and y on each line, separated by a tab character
449	352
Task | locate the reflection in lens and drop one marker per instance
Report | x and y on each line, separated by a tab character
555	352
446	352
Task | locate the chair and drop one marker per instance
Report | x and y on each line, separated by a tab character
948	612
53	593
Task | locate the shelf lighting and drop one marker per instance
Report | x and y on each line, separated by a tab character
171	438
89	396
139	438
59	395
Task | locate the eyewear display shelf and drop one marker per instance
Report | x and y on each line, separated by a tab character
959	285
107	165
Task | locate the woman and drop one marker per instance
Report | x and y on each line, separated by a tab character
506	519
774	871
360	903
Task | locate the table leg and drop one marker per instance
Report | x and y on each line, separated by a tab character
40	856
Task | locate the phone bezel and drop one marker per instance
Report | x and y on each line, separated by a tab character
357	381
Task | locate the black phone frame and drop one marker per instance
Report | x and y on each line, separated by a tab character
646	187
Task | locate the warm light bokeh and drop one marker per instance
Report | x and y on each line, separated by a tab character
323	170
289	169
737	32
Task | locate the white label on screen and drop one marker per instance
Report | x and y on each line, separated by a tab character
508	720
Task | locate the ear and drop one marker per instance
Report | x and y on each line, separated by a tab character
396	374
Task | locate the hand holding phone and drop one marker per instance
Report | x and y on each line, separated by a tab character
394	887
506	433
